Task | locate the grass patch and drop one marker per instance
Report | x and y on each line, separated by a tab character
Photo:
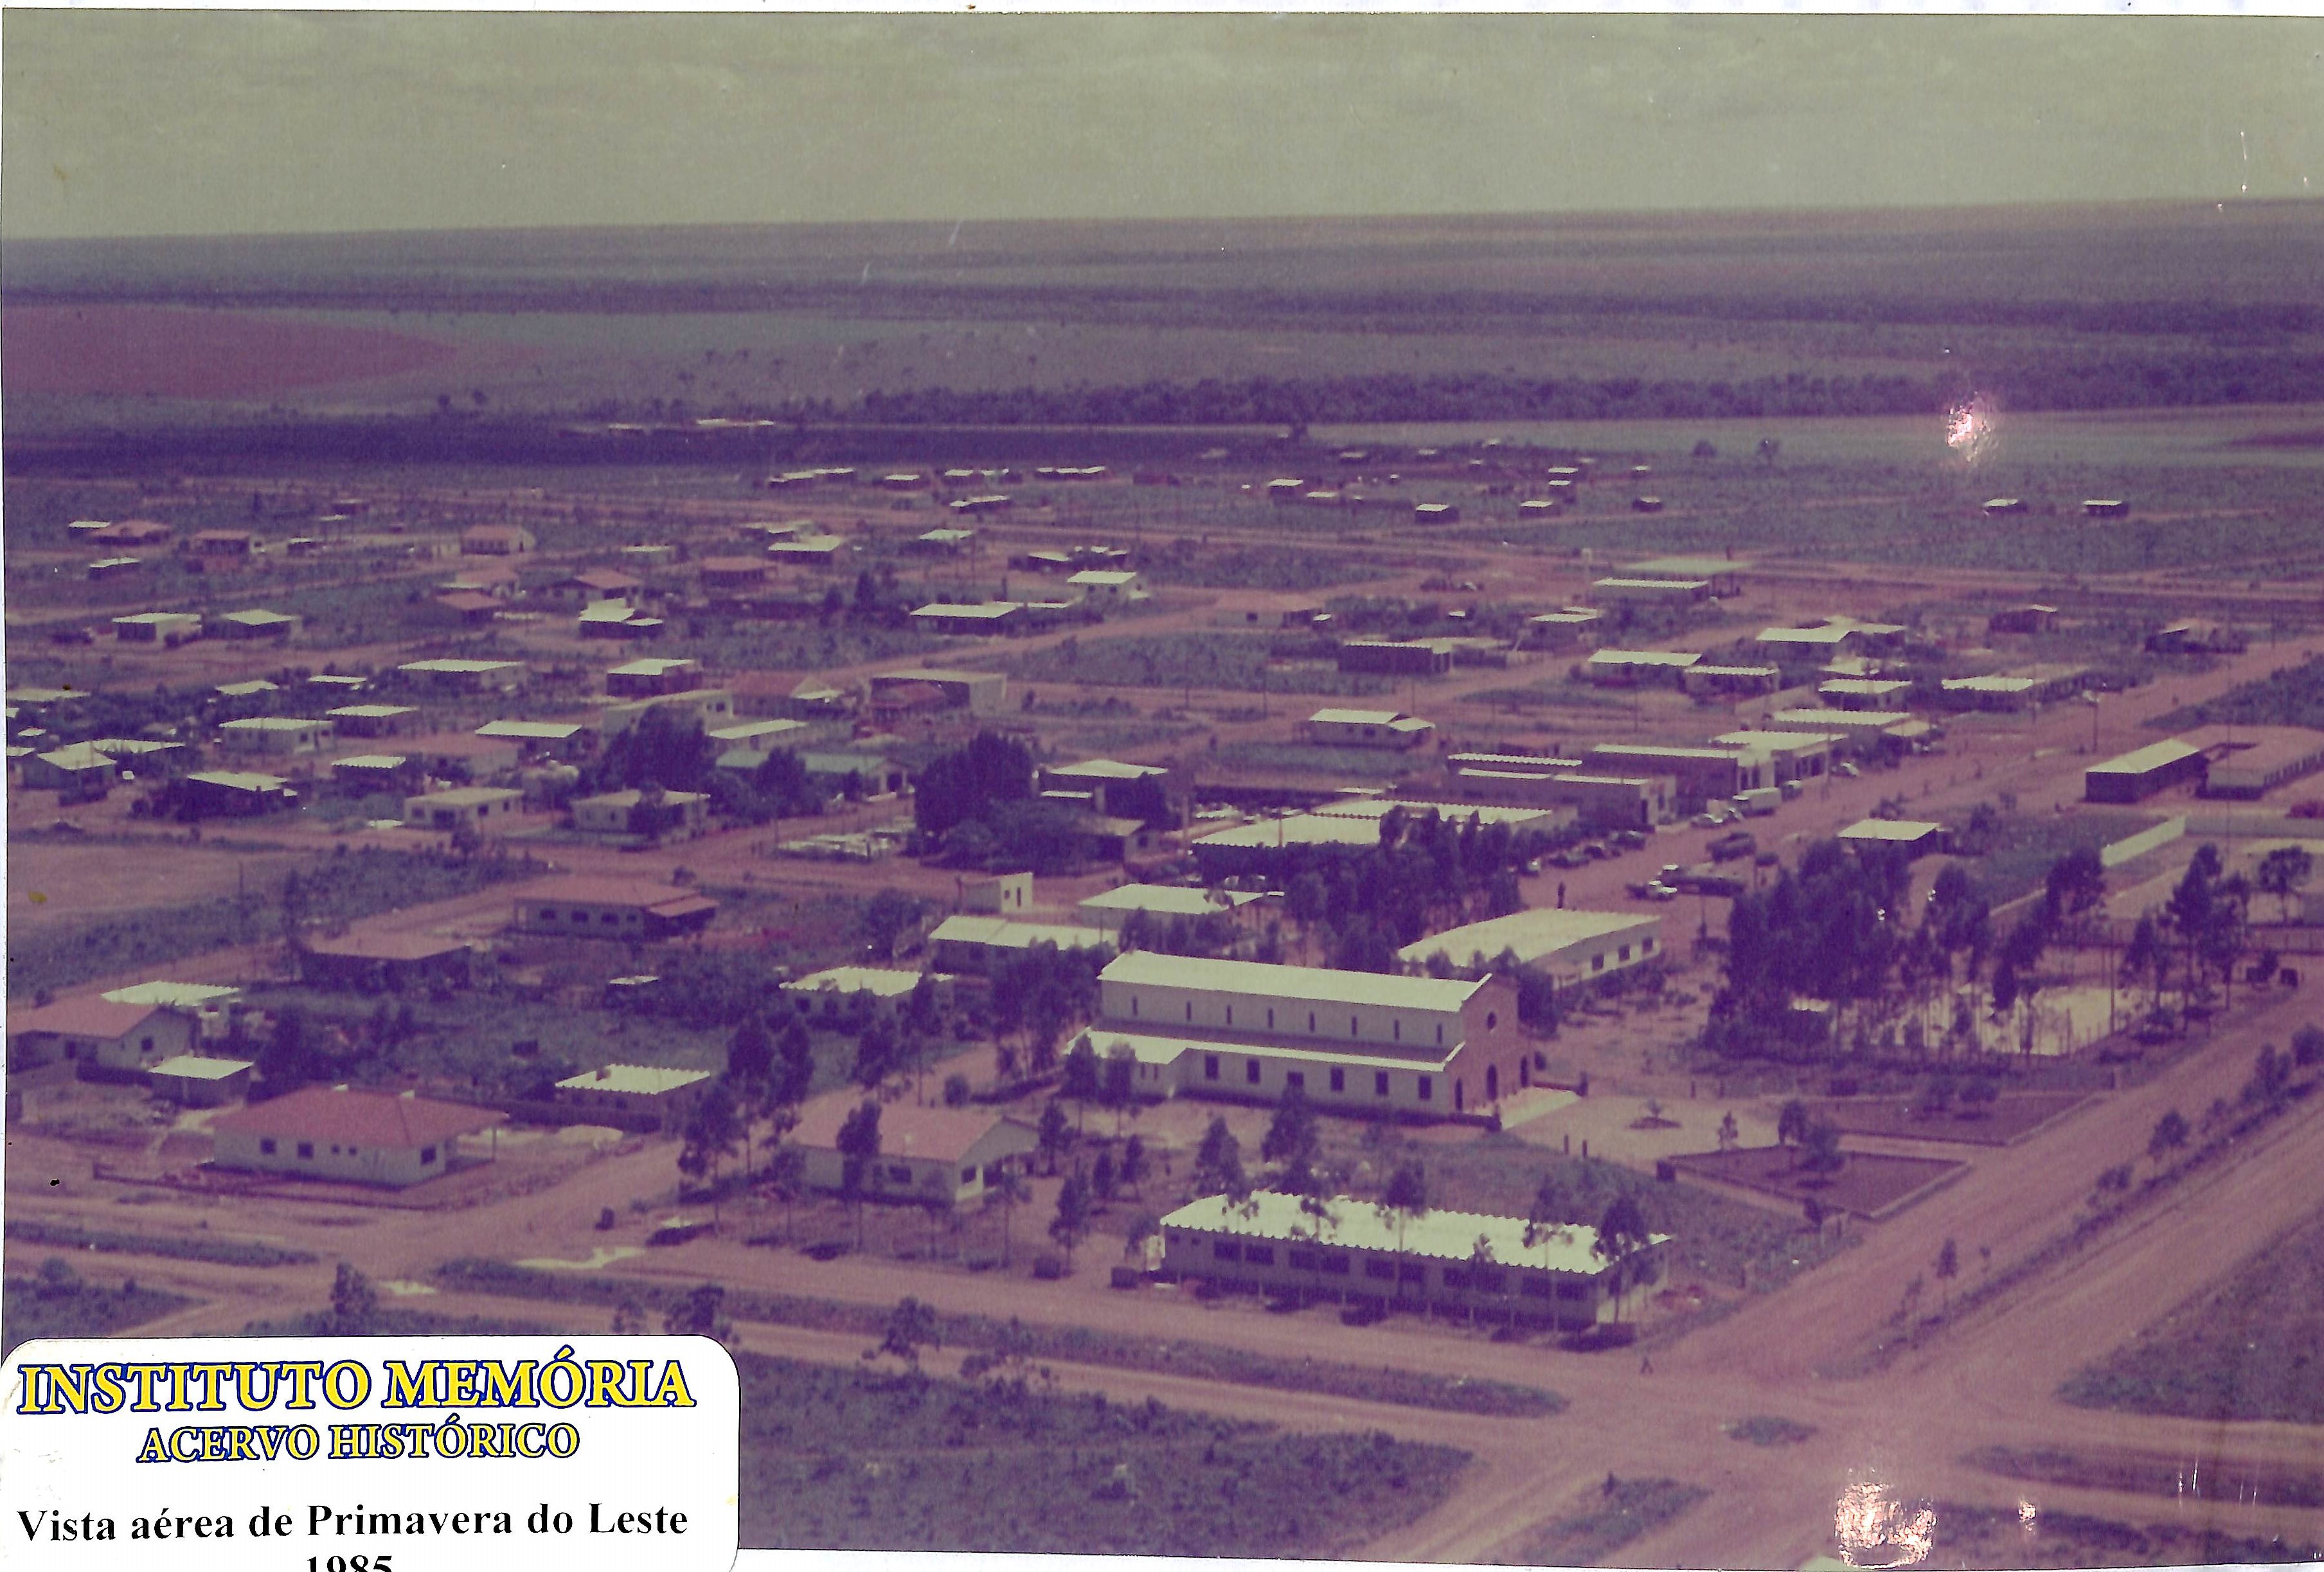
2156	1474
1255	567
340	888
1078	1345
58	1304
1990	1537
1768	1430
1714	1239
1238	662
1625	1509
2250	1348
852	1459
2018	857
2288	696
176	1247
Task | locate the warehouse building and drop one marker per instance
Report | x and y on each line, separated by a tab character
979	693
1460	1263
1351	1040
165	628
368	720
465	676
1630	669
364	1137
1724	575
1675	593
1368	728
1397	656
2250	761
612	908
1571	945
981	619
2133	776
1916	838
1700	774
1862	693
1796	755
1731	681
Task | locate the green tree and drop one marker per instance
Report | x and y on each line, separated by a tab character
1119	1087
785	1179
355	1303
1082	1084
1622	1236
2170	1133
1948	1267
886	916
750	1052
1792	1122
1218	1163
1073	1219
2282	872
1051	1136
1821	1153
1294	1144
1007	1191
859	1159
793	1075
956	1091
713	1131
1134	1165
911	1327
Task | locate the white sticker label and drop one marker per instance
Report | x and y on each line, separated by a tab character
370	1454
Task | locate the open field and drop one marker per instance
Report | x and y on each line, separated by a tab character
2251	1348
1867	1185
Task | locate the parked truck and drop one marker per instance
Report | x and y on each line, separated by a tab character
1759	802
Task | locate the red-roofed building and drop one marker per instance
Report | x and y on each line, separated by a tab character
368	1137
612	908
97	1032
379	962
496	540
473	607
926	1154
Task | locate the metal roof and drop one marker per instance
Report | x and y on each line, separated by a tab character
2153	756
1362	1225
1542	930
1259	980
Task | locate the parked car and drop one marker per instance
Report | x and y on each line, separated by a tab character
1792	788
1651	889
1630	840
1738	843
1533	865
1846	768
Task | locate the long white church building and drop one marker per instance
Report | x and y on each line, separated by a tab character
1355	1040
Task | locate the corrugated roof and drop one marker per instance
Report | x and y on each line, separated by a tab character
195	1066
359	1119
1259	979
633	1079
1361	1225
2153	756
1149	1048
1533	933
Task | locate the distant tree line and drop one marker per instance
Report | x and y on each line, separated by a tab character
2111	382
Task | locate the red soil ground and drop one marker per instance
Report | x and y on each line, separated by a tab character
177	354
1871	1181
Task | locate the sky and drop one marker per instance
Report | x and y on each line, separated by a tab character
190	123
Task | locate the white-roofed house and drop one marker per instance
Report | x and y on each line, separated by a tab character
634	1094
856	992
1333	728
274	734
1570	944
1162	903
1108	586
1501	1268
970	943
